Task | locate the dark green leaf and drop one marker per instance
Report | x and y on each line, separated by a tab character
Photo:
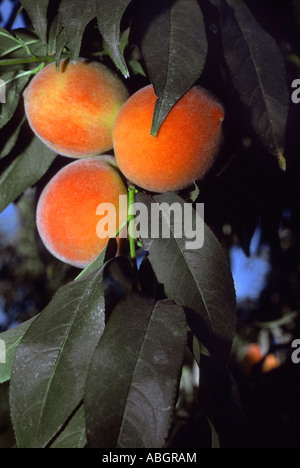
8	142
254	62
37	11
58	38
9	44
12	338
76	15
51	364
198	278
24	171
174	46
74	435
109	14
134	374
13	83
100	260
23	44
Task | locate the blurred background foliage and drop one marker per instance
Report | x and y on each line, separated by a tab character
254	209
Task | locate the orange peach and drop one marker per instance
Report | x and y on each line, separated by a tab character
253	355
67	218
185	147
270	363
73	110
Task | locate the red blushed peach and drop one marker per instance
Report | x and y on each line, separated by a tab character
67	218
73	110
184	149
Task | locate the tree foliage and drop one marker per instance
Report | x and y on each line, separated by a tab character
100	372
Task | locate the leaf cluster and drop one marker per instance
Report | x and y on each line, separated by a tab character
100	366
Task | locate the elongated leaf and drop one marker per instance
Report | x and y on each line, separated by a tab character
12	339
76	15
51	363
9	44
134	374
175	49
11	86
23	44
254	61
196	277
109	15
37	11
74	435
58	38
8	140
24	171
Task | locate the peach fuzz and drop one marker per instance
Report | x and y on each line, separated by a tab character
184	149
73	110
66	212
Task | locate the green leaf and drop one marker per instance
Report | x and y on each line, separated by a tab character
198	278
22	44
100	260
11	85
24	171
134	374
76	15
74	435
174	46
109	15
9	42
12	339
8	143
58	38
51	364
253	62
37	12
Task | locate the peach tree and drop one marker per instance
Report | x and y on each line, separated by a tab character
102	365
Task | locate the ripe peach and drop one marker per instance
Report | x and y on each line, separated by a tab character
253	355
66	211
270	363
184	149
73	110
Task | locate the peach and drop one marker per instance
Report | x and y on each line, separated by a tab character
73	110
270	363
253	355
184	148
66	213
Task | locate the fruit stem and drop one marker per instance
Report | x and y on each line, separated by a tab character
131	230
